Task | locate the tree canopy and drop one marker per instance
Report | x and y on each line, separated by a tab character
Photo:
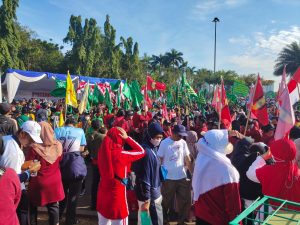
289	56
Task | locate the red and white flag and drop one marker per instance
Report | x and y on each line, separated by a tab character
225	112
282	84
259	107
286	118
216	102
293	87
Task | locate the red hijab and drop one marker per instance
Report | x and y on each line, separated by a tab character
112	142
281	180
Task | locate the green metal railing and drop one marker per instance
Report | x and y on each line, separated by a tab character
270	211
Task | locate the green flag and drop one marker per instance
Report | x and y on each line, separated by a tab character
135	102
190	91
98	96
232	98
60	83
126	105
201	98
116	86
240	88
179	95
60	89
58	92
126	91
183	80
108	101
118	99
135	87
170	100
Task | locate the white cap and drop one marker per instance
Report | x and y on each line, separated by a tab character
34	130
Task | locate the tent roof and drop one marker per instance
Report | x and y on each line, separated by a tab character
58	76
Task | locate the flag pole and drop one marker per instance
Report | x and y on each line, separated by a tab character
251	104
66	106
220	109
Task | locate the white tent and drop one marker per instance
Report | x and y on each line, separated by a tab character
30	84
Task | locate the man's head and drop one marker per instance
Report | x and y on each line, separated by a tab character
5	108
96	124
30	133
129	114
178	132
268	130
70	121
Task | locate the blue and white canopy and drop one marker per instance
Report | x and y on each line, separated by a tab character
42	81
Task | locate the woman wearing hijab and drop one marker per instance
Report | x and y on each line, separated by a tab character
46	188
281	179
114	164
215	181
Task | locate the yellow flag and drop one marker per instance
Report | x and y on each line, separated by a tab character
61	119
70	92
83	102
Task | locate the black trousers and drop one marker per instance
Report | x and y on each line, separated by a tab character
53	213
23	209
72	190
95	183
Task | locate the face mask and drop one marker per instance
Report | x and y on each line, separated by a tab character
155	142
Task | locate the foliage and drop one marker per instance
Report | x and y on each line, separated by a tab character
97	52
289	56
85	41
9	36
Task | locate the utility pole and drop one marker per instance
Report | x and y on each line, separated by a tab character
215	20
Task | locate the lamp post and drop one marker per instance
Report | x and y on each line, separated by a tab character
215	20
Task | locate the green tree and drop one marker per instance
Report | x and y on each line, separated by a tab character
9	36
39	55
111	51
289	56
130	63
174	58
85	43
158	62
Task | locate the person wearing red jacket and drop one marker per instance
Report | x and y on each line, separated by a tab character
114	164
10	196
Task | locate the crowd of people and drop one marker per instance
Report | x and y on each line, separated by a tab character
181	166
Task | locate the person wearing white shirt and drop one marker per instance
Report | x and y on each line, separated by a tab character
174	154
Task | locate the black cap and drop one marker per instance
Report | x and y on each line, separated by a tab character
179	129
4	108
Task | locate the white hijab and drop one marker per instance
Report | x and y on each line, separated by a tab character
212	167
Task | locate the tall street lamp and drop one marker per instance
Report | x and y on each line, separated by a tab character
215	20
